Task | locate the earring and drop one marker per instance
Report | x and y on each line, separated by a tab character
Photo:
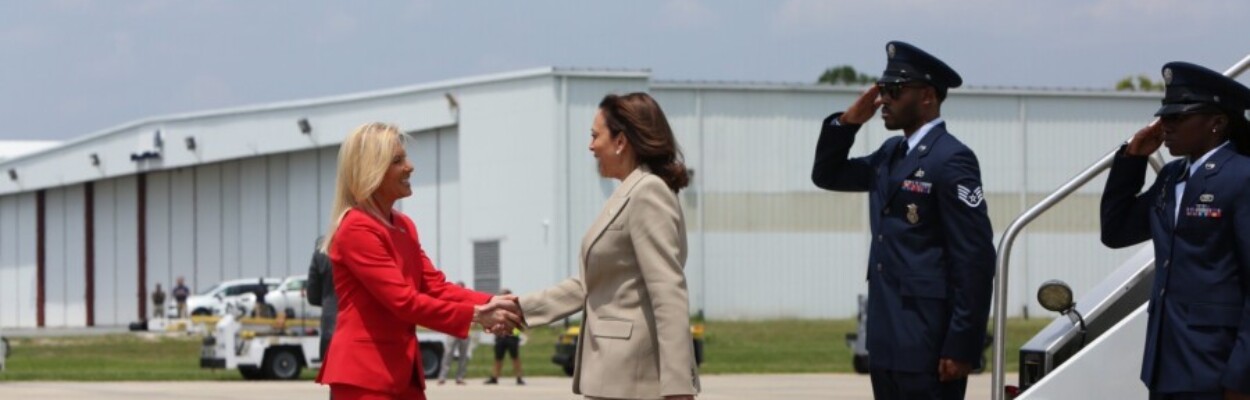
618	152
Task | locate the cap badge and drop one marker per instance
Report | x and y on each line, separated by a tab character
1167	76
889	49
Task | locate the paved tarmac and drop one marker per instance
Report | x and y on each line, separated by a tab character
715	387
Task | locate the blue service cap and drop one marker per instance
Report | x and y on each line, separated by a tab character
907	63
1191	87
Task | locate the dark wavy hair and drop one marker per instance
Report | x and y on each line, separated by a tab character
640	119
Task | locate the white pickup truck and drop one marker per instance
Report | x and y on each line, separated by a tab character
268	348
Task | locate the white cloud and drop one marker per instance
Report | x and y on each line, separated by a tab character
417	9
24	36
801	16
72	5
119	58
337	25
686	14
209	91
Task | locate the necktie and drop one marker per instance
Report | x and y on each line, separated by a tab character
1184	174
899	153
1178	191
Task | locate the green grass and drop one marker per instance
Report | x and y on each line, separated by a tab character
780	346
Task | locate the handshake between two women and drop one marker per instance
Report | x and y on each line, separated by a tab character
500	315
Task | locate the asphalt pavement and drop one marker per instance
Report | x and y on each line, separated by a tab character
715	387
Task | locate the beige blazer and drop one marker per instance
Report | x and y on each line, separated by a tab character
635	340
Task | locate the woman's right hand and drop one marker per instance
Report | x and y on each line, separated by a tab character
1146	141
500	315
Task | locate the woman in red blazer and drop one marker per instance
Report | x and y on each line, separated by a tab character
385	283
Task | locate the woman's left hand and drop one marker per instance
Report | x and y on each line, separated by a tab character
499	315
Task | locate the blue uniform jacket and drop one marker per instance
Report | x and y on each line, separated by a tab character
1198	333
931	266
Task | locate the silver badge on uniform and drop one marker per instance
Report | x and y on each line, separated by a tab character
1206	198
920	173
913	214
1209	166
922	148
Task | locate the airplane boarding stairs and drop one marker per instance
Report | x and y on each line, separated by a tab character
1058	363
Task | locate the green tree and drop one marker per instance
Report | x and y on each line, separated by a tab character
844	75
1139	83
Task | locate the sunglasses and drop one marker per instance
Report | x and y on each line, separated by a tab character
894	90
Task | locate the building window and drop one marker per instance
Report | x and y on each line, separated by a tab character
486	266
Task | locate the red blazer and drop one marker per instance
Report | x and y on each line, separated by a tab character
386	287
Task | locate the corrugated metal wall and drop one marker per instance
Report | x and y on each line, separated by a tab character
435	202
578	172
17	260
776	246
66	283
252	217
507	167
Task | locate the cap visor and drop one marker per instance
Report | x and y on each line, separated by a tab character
1173	109
892	78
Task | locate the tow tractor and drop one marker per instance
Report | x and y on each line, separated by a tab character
280	348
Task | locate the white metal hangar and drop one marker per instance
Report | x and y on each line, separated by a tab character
504	188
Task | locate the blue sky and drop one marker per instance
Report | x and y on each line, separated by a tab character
73	67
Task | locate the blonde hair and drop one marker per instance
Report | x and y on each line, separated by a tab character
363	160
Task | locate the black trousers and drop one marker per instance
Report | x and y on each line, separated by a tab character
899	385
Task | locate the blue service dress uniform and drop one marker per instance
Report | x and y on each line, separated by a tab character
1198	331
931	263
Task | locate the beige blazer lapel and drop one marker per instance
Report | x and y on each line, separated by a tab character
611	209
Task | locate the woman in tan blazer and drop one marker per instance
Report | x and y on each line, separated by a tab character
635	340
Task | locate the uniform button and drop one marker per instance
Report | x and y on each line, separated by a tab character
880	239
1162	292
878	266
887	211
1167	263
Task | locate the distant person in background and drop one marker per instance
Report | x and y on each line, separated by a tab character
181	292
508	343
262	310
320	292
460	348
158	302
